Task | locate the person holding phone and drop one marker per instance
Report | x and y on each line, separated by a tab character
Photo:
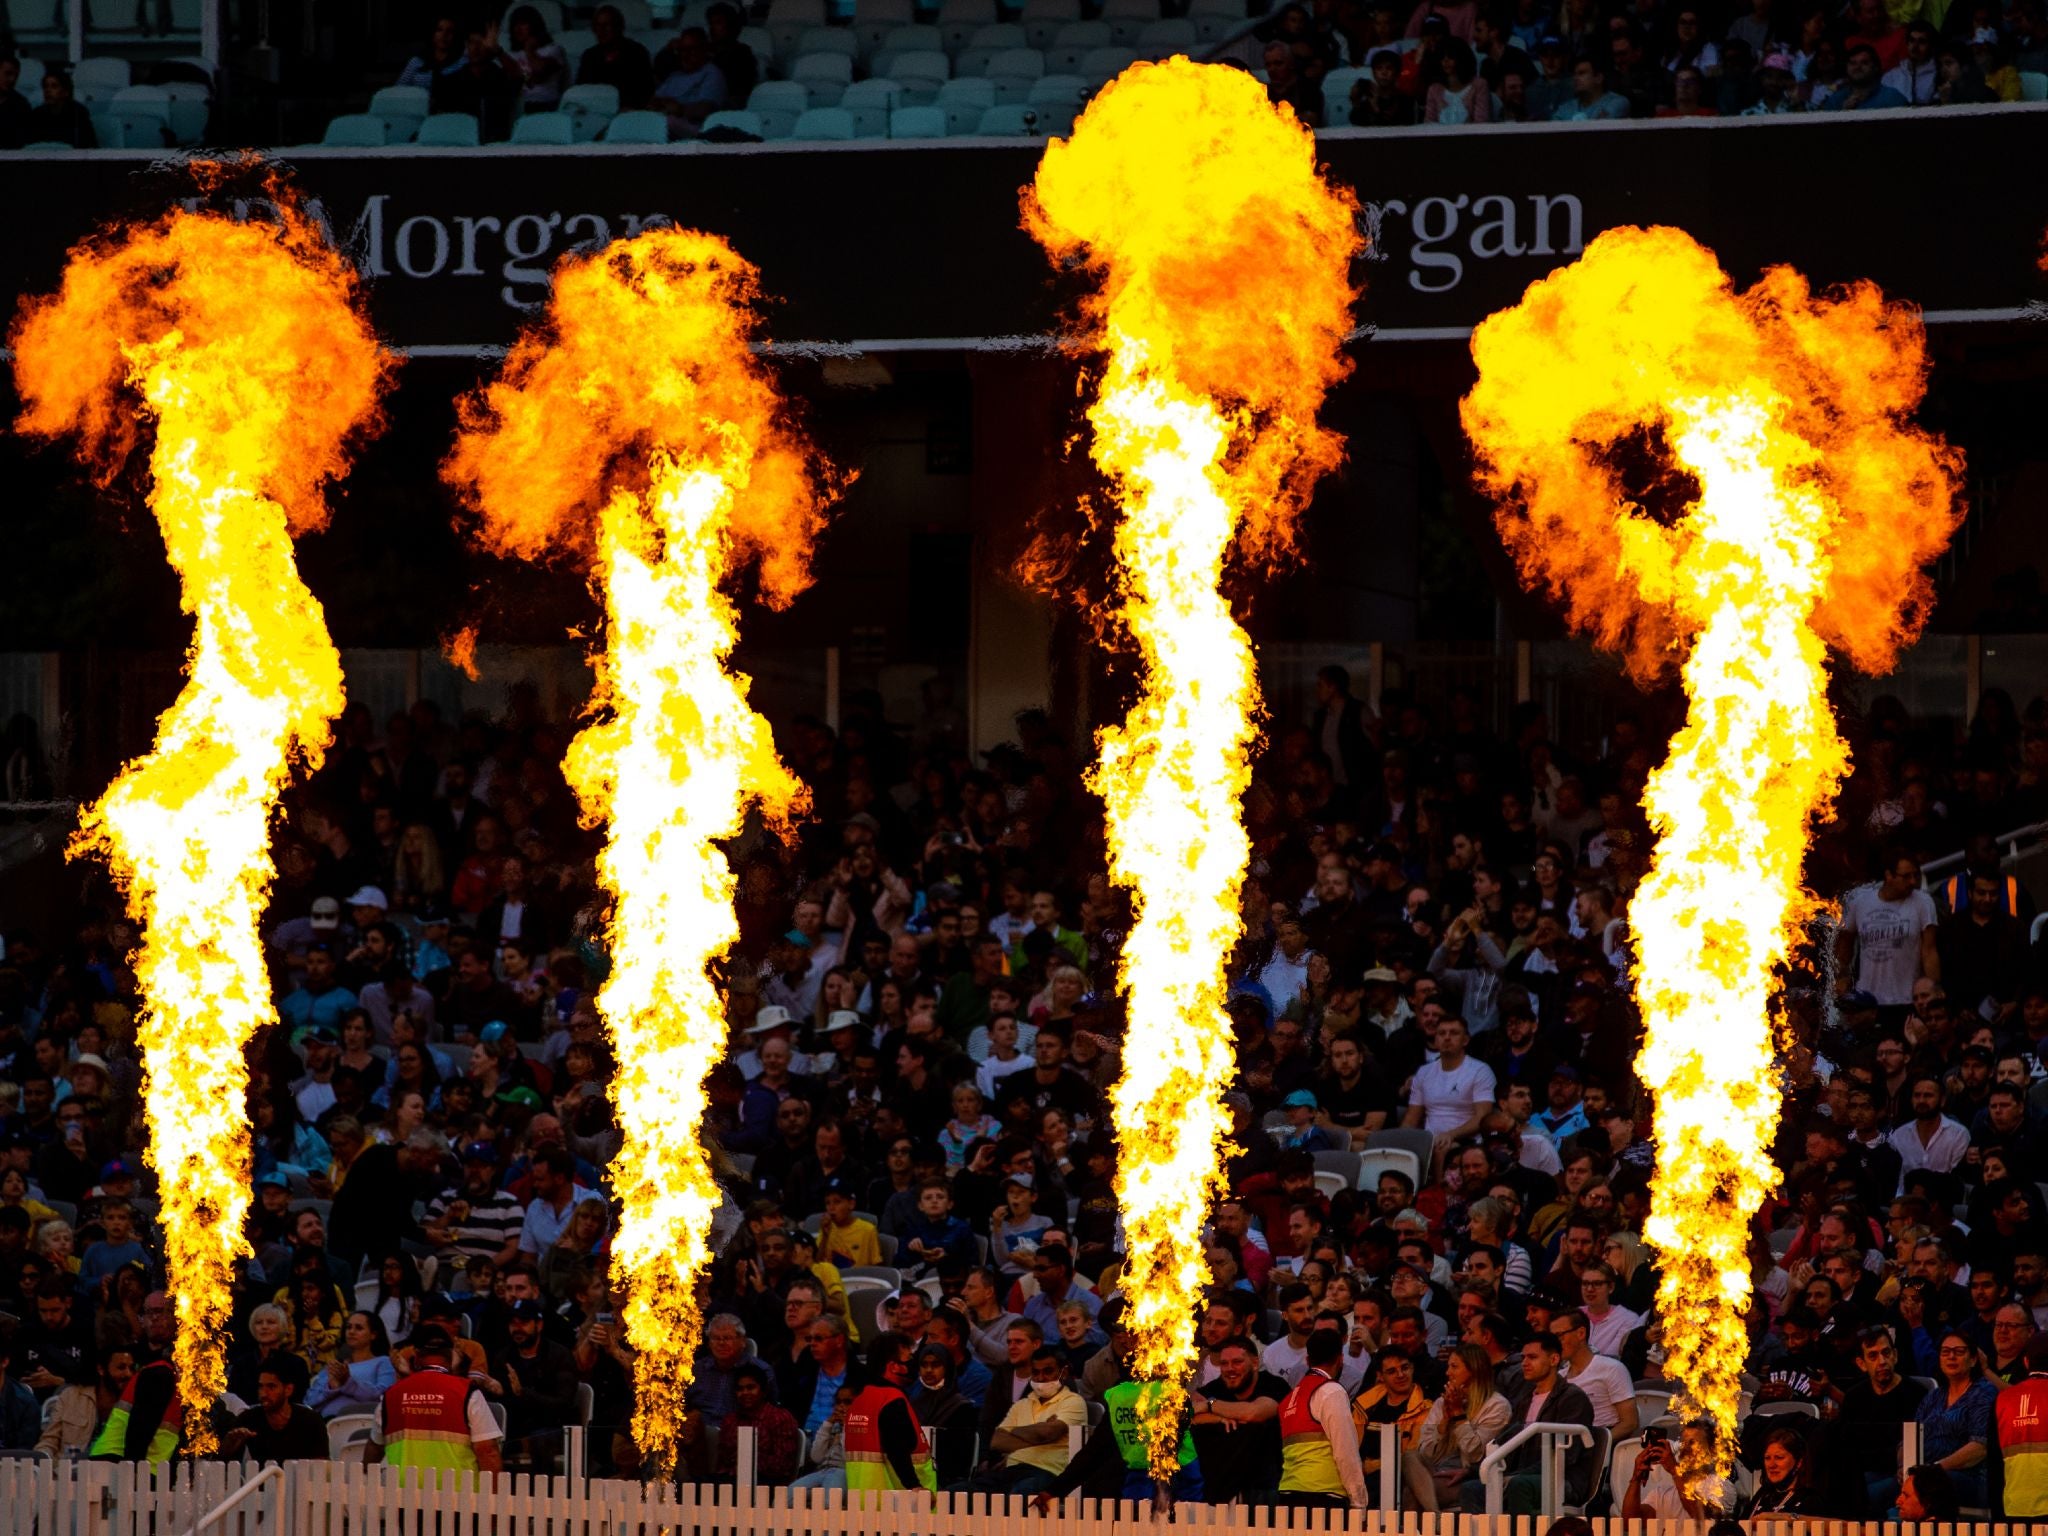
1658	1488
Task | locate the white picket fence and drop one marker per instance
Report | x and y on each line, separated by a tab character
40	1498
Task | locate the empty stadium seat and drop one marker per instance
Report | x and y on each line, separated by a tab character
824	123
1102	65
449	130
917	123
1213	19
788	20
907	40
874	20
30	82
1163	39
1014	71
778	104
1011	120
94	81
1072	44
760	42
357	130
589	108
1337	94
828	40
987	42
36	21
869	103
960	19
748	122
637	128
191	110
824	75
1128	18
963	102
2033	87
638	14
1058	99
1042	20
544	128
143	116
404	107
575	42
920	76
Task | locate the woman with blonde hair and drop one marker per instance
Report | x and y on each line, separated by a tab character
1635	1276
1454	1436
418	874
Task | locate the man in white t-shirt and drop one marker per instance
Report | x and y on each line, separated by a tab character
1451	1096
1888	930
1602	1378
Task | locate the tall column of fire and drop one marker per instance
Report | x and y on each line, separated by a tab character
239	351
1222	260
637	431
1813	505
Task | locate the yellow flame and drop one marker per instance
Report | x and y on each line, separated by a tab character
1224	298
245	346
1818	502
640	412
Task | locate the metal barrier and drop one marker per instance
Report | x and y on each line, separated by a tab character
1493	1466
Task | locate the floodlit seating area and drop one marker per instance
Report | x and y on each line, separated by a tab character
835	70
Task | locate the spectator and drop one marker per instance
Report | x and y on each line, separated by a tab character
1657	1490
1775	88
1460	96
1460	1424
2021	1425
360	1373
1785	1491
1029	1447
1917	78
61	118
14	107
477	1218
278	1428
694	87
440	55
72	1418
1956	1417
542	65
778	1446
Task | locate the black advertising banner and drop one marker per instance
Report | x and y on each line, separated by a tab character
918	245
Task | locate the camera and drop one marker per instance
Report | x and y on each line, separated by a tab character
1654	1436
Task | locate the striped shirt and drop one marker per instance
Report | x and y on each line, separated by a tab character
493	1221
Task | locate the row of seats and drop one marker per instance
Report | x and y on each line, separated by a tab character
109	22
824	124
826	78
777	109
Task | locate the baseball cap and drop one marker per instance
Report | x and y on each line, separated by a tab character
838	1185
1565	1070
526	1306
119	1168
798	937
1301	1098
326	914
272	1180
432	1341
431	913
492	1032
369	896
1550	44
1777	61
1022	1180
1379	975
97	1063
1984	37
1857	1001
480	1152
323	1034
520	1095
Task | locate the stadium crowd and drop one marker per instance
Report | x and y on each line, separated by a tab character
1433	1214
1338	63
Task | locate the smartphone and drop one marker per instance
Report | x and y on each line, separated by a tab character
604	1319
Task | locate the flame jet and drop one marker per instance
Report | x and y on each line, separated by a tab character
244	347
1223	298
637	432
1817	503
